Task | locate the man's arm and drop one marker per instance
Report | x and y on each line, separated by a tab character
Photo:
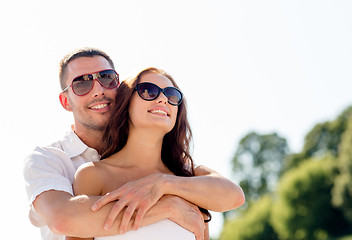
184	213
71	216
68	215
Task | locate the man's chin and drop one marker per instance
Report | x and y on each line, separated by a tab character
96	126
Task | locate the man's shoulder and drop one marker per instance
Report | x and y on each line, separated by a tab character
51	151
59	147
48	155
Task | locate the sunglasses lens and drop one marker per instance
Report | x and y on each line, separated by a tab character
173	95
82	85
148	91
108	78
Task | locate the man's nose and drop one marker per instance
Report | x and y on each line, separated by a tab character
98	89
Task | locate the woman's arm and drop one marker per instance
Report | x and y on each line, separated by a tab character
221	193
88	182
208	189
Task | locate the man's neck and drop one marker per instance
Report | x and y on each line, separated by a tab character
91	138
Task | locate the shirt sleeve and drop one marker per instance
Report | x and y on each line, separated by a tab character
47	169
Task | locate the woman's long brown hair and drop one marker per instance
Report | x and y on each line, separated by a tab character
175	152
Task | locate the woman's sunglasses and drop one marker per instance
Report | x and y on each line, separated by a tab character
82	85
149	91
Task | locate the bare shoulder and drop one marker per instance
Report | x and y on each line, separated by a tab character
88	179
87	170
206	171
202	170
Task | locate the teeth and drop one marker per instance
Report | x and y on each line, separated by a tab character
159	112
100	106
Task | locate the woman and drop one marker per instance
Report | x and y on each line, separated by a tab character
148	135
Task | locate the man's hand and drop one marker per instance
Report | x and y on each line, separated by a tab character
136	196
185	214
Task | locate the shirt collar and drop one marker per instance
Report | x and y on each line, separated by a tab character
73	145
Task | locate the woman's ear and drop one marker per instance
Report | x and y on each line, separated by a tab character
64	102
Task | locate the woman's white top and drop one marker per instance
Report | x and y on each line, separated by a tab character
162	230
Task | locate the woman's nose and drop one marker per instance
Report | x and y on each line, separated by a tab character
162	98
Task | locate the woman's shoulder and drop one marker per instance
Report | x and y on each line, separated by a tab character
89	168
89	179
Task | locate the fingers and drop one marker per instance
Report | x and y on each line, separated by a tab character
136	196
199	235
196	222
107	198
128	213
199	227
138	219
115	210
127	217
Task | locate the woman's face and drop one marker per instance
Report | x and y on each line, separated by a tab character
157	113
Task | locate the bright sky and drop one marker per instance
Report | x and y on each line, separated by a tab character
242	65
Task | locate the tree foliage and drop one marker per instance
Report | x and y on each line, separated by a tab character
322	140
342	192
314	195
254	225
258	162
304	209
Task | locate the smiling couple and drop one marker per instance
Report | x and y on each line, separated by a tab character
125	164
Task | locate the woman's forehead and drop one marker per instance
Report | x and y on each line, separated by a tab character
157	79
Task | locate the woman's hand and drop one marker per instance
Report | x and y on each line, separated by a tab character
136	196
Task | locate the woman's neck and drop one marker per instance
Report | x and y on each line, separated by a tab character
143	150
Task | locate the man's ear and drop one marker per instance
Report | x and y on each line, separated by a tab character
64	102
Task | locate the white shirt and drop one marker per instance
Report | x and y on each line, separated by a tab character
53	168
162	230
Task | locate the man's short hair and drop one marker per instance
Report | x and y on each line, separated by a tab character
82	52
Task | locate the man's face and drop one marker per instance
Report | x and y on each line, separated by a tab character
91	111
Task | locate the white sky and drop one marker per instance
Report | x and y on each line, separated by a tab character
243	65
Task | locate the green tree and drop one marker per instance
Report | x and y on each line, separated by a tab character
304	209
258	162
342	191
322	140
254	225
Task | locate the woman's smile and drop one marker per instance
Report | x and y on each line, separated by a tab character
159	111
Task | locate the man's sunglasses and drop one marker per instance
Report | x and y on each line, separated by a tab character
82	85
149	91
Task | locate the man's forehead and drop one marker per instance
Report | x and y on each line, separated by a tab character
86	65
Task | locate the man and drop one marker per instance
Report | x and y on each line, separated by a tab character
89	93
